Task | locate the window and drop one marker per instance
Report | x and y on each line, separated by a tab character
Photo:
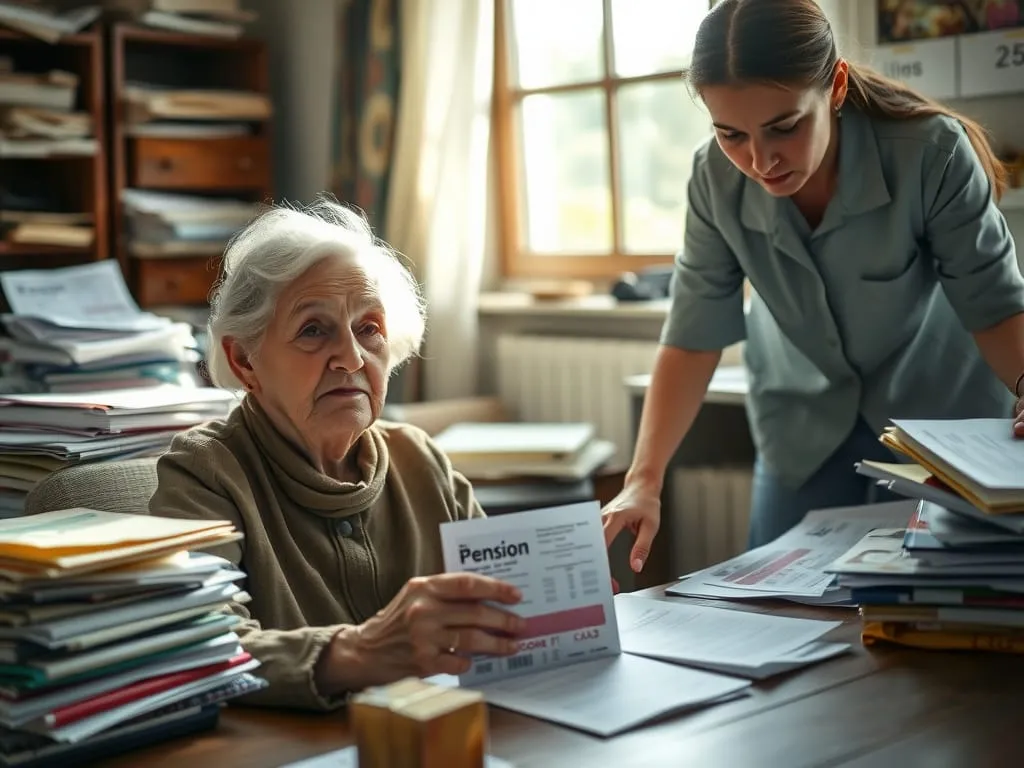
595	130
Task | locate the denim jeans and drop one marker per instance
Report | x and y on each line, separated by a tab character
776	507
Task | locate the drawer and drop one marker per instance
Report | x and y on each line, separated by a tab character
174	281
231	163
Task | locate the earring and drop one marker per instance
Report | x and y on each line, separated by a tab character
838	109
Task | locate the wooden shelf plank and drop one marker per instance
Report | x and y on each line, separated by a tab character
89	36
33	249
136	33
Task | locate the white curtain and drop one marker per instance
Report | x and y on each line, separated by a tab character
438	211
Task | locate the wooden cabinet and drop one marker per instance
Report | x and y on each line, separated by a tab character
238	166
223	164
71	183
172	281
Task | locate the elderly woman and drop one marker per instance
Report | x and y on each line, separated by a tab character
340	512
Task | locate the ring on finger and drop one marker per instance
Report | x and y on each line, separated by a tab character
454	646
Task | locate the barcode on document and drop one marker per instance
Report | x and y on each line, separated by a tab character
522	661
483	667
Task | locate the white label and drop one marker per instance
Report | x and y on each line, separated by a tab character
928	66
992	62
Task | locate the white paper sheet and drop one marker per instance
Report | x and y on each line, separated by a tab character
983	449
87	296
610	695
793	566
711	637
557	558
349	758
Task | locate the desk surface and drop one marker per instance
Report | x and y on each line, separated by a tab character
890	707
728	386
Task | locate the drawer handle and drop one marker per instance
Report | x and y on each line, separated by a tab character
165	164
245	163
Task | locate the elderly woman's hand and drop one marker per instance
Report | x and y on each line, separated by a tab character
432	626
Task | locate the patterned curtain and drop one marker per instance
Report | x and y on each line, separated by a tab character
366	99
367	82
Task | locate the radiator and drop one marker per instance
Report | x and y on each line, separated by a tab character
563	379
710	510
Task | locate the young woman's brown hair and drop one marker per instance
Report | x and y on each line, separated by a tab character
790	42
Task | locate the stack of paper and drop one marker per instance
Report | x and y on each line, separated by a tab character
37	119
793	566
41	433
943	581
217	18
494	450
111	626
734	642
145	102
977	459
953	577
79	329
167	224
44	22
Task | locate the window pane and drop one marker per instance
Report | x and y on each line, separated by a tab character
565	173
660	125
654	35
556	42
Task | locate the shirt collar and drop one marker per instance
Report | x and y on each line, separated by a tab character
862	185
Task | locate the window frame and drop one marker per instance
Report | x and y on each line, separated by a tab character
516	261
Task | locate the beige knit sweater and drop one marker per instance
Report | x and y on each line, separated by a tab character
318	553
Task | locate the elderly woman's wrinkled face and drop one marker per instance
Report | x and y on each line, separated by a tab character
322	365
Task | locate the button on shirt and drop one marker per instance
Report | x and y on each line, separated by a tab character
869	314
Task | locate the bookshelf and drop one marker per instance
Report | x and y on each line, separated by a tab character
68	182
232	167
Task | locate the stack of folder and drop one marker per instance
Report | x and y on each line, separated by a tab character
42	433
113	633
953	577
500	450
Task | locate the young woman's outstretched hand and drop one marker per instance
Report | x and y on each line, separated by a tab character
637	508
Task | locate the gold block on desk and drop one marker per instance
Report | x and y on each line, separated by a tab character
415	724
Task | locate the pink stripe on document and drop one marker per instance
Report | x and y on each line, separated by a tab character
756	577
564	621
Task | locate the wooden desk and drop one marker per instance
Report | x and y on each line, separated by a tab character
866	709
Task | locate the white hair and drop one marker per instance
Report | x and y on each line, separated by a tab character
281	244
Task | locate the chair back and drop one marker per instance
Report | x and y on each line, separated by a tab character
108	486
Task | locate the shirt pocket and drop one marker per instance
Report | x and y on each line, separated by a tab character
889	309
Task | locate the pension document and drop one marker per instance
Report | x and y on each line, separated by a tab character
569	668
557	558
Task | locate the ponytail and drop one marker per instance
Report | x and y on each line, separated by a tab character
881	97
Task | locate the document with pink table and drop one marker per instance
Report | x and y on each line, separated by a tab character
570	668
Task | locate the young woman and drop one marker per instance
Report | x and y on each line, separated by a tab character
884	279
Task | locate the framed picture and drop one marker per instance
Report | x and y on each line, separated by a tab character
901	20
999	14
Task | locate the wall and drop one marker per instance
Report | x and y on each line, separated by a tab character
999	114
302	59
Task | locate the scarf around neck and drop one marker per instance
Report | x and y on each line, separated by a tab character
308	486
